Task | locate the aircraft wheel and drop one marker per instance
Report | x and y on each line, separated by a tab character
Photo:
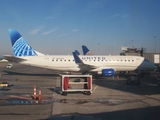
87	92
64	93
127	83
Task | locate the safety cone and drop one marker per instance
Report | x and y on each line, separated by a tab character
117	77
40	95
34	96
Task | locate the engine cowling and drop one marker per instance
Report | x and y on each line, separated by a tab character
108	72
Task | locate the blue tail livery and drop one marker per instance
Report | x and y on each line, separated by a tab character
19	45
77	52
76	58
86	51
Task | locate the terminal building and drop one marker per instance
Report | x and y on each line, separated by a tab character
153	57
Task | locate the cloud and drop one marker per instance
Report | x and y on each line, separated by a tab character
95	4
61	7
75	30
125	15
50	31
35	31
114	16
118	15
50	18
63	35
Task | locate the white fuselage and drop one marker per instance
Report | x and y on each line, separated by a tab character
66	63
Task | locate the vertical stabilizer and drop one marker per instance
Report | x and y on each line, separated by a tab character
77	52
77	59
86	51
19	45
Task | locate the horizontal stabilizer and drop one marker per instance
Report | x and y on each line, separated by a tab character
13	58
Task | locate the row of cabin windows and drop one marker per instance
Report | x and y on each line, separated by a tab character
99	60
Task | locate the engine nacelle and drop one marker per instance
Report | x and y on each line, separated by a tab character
99	72
108	72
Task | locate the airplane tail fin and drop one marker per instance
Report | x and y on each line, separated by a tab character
77	59
86	51
19	45
77	52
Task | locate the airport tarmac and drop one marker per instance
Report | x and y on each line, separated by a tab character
112	99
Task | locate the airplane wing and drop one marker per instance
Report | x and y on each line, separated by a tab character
81	63
86	67
13	58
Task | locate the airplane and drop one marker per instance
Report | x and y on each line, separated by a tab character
99	64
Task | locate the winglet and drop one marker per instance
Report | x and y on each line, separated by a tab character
19	45
86	51
77	59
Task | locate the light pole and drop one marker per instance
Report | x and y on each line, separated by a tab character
132	44
155	44
98	48
112	50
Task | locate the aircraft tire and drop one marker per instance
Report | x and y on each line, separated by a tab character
87	92
64	93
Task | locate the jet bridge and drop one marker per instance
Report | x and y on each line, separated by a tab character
76	83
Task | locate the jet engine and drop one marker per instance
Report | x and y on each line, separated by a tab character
108	72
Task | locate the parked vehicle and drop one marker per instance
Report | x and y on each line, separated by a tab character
9	65
133	79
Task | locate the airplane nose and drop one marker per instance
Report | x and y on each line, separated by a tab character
149	65
153	67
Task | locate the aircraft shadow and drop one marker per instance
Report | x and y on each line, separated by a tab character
29	74
148	113
147	85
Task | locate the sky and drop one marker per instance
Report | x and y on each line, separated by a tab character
62	26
